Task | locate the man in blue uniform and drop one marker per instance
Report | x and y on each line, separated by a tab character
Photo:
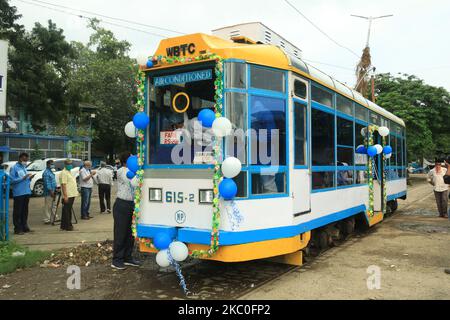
20	181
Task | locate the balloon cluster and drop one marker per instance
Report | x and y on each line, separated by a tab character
374	150
232	166
169	248
140	122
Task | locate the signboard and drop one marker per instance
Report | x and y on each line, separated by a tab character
170	137
3	74
183	78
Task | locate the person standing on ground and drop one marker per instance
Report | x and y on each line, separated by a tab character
123	214
104	179
20	182
49	191
69	192
86	184
436	179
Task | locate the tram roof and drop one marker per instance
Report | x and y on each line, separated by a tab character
271	56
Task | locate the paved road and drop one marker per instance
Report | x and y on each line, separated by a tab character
47	237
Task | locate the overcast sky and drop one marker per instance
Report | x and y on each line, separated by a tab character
414	41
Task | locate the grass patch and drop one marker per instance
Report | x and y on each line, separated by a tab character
9	263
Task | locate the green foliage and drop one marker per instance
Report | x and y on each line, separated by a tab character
424	109
104	77
9	264
37	153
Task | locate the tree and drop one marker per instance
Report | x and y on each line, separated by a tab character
424	109
39	73
105	77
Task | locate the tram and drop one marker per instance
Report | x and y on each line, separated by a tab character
320	186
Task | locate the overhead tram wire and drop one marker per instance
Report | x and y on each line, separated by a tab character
108	17
90	18
321	31
329	65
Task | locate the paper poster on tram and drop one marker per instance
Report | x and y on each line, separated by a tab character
203	158
170	137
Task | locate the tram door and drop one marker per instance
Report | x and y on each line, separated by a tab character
301	179
378	181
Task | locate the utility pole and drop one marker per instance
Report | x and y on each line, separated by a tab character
365	64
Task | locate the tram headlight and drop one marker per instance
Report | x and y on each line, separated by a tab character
206	196
155	194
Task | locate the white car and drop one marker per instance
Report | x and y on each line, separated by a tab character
8	165
38	167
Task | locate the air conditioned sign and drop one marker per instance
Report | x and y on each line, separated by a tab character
183	78
3	74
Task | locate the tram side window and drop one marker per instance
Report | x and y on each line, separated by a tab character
361	113
344	151
236	111
267	79
323	180
268	183
322	96
360	159
241	182
344	105
268	137
322	131
300	89
236	75
300	134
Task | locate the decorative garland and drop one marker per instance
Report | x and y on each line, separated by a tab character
217	148
371	130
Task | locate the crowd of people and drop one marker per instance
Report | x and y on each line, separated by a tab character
68	192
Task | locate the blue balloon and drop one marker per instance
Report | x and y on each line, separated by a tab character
162	241
228	189
372	151
207	117
361	150
133	164
387	150
141	120
149	64
131	175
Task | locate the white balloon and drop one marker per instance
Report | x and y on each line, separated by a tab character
379	148
231	167
222	127
388	156
142	59
130	130
383	131
179	251
162	259
364	131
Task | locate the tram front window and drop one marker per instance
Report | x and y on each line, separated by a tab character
175	100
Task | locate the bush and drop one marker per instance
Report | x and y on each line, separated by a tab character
9	264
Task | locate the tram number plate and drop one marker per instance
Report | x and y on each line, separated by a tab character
179	197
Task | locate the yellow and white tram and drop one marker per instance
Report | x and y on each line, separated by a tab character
319	181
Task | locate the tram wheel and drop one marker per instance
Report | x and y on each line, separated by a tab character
393	205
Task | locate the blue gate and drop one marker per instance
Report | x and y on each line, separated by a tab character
4	206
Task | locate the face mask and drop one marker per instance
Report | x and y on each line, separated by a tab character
69	167
52	166
24	163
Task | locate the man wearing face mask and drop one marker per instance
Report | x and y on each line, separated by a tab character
49	191
69	192
86	184
20	181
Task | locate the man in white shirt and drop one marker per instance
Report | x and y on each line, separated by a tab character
86	184
436	179
104	179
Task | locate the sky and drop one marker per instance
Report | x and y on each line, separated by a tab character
414	41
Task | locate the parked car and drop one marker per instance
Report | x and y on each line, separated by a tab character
8	165
38	167
109	167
